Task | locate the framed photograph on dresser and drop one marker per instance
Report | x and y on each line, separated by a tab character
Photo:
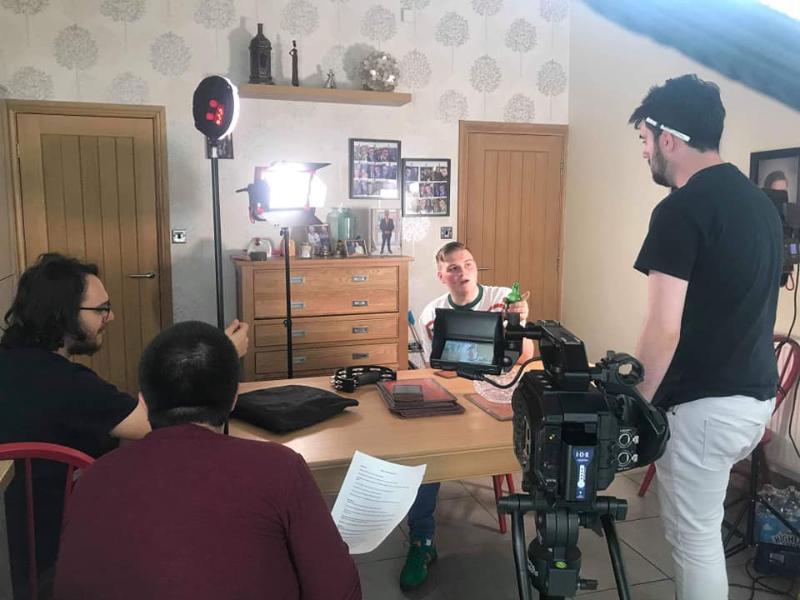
374	169
426	187
385	231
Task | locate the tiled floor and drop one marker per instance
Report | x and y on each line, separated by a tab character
476	561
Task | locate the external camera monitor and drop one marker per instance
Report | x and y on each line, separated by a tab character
468	340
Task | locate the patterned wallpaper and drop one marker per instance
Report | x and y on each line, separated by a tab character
495	60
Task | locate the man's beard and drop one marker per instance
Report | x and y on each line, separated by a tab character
83	347
658	168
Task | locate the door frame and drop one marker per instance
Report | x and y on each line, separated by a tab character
465	128
9	109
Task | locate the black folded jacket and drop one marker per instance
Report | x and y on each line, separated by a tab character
289	407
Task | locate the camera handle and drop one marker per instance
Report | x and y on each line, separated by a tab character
554	557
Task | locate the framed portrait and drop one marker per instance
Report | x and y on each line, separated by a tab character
385	232
375	169
319	238
426	187
777	170
356	248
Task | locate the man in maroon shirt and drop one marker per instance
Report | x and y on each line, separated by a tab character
190	513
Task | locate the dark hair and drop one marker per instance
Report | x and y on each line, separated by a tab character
773	177
687	104
447	250
189	374
46	308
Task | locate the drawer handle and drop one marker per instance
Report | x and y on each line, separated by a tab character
360	355
298	360
298	333
360	302
360	278
299	304
297	280
360	329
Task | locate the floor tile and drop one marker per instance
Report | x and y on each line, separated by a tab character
394	546
659	590
452	489
379	581
638	508
646	536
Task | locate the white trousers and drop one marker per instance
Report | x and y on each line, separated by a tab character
708	436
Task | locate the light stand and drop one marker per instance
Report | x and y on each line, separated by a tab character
217	232
288	321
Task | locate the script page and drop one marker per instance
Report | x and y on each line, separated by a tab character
374	498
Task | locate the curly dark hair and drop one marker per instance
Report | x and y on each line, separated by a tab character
45	309
690	105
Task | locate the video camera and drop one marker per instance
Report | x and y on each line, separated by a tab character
575	426
790	219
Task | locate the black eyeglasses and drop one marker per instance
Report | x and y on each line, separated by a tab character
104	309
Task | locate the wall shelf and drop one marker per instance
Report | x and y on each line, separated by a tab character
309	94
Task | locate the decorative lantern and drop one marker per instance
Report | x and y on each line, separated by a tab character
260	58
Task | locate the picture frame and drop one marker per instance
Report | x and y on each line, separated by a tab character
426	187
385	231
319	238
374	169
777	169
356	248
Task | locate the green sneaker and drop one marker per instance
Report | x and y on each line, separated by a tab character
415	571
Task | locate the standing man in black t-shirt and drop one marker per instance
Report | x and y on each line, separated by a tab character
61	310
713	260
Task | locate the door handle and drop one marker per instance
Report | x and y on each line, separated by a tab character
148	275
484	268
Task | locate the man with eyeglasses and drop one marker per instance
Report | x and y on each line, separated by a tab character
61	310
712	257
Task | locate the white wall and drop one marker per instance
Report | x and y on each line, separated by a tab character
610	193
37	60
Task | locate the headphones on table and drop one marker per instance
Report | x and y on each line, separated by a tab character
347	379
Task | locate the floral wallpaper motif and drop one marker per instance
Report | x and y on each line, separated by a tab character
519	109
31	84
125	11
451	32
127	88
521	37
300	17
495	60
27	8
170	55
75	49
379	24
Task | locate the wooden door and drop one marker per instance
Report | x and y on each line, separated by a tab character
510	187
90	187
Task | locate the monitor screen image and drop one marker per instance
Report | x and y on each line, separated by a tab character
474	353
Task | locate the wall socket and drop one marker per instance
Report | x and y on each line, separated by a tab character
178	236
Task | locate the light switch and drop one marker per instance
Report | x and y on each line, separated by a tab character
178	236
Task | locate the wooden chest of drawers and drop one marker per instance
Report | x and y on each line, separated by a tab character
348	311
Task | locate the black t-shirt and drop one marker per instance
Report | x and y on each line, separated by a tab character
723	235
46	398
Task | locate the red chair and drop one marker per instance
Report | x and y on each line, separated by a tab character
26	452
787	354
497	480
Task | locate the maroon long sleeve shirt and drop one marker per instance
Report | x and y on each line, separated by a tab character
189	513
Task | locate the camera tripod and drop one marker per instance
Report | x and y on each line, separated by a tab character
553	561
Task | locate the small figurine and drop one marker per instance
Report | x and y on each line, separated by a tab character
330	82
293	52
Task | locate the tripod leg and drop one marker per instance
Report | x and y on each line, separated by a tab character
520	554
616	557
